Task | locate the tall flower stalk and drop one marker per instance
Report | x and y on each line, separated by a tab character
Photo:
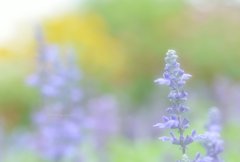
59	121
175	78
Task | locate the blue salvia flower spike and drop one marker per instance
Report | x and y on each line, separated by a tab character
175	78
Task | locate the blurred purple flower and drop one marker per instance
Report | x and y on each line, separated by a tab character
103	122
59	122
103	115
211	139
58	137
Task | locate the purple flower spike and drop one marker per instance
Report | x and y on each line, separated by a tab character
59	122
175	78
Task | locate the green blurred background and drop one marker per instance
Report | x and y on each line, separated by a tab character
121	45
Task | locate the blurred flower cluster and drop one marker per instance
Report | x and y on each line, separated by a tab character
59	120
211	139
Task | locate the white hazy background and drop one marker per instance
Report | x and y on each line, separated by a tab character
14	13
